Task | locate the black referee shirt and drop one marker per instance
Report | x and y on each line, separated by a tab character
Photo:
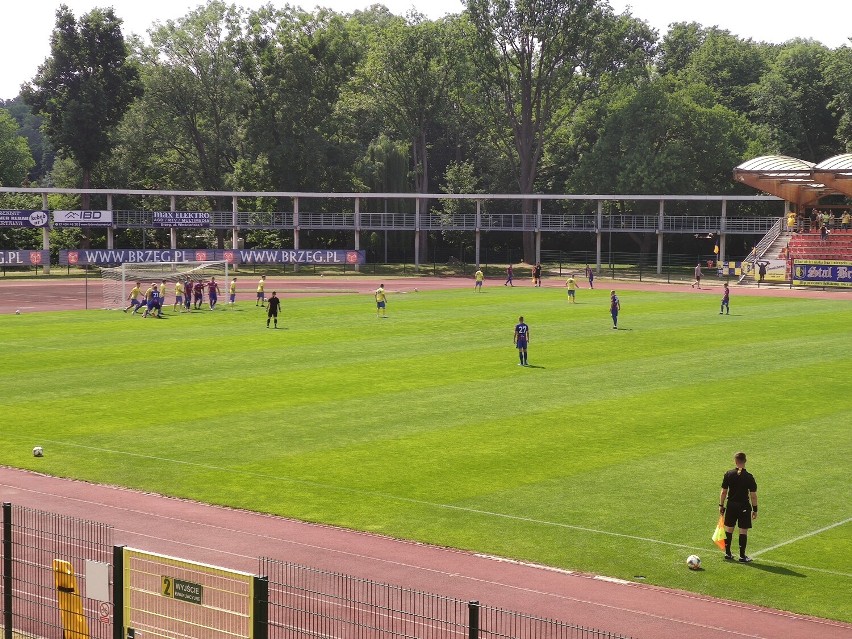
739	483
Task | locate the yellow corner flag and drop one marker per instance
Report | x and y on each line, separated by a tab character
719	534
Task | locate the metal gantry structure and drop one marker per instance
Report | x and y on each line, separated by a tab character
311	211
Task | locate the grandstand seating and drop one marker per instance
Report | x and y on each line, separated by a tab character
809	246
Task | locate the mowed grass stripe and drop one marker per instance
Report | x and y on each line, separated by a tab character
422	426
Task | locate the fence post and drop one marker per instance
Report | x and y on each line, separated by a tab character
118	592
260	607
7	570
473	620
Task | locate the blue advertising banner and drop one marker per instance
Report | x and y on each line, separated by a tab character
81	218
822	273
24	258
182	218
30	219
83	257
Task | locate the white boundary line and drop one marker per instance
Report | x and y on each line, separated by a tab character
477	511
805	536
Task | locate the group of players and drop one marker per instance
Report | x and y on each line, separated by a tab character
189	295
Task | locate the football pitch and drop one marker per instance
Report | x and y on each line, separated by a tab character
605	455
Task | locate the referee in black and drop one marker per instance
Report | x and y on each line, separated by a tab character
272	309
740	489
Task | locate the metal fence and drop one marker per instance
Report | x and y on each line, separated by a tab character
32	541
307	602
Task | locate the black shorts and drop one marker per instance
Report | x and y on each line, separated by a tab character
738	515
272	312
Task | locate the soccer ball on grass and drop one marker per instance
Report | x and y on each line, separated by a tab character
18	312
38	451
693	562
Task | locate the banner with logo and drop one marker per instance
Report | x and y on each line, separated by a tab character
822	273
182	218
29	219
63	219
83	257
24	258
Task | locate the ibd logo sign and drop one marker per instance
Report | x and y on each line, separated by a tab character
82	218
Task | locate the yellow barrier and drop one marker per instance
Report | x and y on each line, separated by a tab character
70	605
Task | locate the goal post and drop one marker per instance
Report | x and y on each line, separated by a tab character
118	281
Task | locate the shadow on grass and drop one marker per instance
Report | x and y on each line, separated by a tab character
777	570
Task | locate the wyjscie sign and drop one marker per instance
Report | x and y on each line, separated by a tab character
182	590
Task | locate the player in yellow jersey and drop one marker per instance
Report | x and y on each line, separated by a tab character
571	283
261	298
163	287
478	277
178	296
133	298
381	301
232	292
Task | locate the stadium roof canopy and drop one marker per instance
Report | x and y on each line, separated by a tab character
785	177
836	172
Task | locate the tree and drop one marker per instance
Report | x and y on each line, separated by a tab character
296	65
729	65
407	76
838	72
85	87
539	61
188	123
667	138
790	101
15	156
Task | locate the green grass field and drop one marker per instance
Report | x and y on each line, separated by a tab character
606	455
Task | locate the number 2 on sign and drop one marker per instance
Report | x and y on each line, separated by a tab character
167	587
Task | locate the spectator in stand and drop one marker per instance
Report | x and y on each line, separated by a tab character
823	233
800	223
832	221
814	226
791	222
844	221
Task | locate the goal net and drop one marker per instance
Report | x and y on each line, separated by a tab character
118	281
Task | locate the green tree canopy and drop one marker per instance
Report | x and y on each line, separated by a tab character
15	156
86	85
686	143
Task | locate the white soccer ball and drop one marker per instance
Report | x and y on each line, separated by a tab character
38	451
18	312
693	562
415	290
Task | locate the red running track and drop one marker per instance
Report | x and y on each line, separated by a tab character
235	539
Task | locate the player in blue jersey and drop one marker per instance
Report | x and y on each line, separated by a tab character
614	307
152	299
521	339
